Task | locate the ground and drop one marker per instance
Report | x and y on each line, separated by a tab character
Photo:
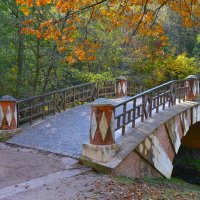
34	175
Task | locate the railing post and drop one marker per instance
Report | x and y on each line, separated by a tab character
121	87
193	83
102	145
8	117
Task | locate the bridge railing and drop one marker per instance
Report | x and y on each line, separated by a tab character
57	101
108	118
50	103
142	105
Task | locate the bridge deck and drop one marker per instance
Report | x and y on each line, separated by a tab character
63	133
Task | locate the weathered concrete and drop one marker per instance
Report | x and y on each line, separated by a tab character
156	141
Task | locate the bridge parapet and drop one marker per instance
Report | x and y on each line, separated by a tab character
141	107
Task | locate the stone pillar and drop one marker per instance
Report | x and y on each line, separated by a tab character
8	118
193	83
8	113
121	87
102	145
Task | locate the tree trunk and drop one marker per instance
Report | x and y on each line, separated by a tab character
38	67
20	59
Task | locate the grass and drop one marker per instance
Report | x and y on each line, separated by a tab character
125	180
172	183
162	188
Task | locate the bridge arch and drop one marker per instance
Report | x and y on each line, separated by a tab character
192	138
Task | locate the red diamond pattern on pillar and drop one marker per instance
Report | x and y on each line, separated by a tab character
101	128
8	116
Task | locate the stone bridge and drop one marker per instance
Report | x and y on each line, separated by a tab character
132	136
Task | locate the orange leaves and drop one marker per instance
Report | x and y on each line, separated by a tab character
65	21
25	5
70	59
45	24
30	3
80	53
43	2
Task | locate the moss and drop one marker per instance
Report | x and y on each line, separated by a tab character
97	167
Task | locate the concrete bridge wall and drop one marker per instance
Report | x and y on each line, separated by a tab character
149	149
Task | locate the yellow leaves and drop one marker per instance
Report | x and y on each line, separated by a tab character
70	39
70	59
80	53
25	10
43	2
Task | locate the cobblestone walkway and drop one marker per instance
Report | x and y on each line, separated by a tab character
63	133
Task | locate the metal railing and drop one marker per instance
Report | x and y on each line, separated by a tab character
142	105
57	101
50	103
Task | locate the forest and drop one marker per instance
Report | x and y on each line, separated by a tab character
46	45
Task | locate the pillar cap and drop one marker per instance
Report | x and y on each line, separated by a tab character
7	98
121	78
191	77
103	102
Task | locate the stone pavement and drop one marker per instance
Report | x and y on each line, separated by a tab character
63	133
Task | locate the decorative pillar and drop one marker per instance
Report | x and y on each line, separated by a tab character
8	117
193	83
121	87
8	113
102	145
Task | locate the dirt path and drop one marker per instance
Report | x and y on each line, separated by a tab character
32	175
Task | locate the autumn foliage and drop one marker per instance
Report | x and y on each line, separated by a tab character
64	21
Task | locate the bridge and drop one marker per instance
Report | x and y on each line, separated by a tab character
116	127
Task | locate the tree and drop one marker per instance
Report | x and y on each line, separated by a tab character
139	16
